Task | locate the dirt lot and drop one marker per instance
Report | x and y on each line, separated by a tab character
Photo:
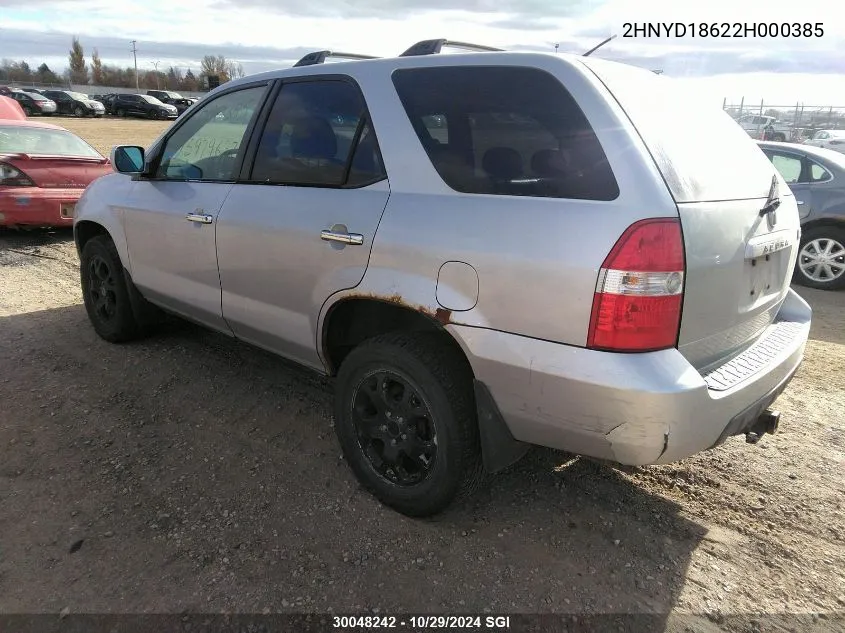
191	473
107	132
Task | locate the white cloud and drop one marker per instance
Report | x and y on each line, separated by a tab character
261	35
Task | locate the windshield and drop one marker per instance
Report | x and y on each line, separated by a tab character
152	100
78	95
35	96
31	140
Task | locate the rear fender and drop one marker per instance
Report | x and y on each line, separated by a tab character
414	292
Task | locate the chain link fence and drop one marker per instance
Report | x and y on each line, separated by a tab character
794	122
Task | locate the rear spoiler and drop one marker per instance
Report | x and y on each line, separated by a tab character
82	159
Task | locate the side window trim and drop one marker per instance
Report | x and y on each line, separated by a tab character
245	173
159	147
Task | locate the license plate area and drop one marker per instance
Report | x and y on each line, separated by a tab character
766	260
67	210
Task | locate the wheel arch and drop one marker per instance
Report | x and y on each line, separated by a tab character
356	316
84	230
827	220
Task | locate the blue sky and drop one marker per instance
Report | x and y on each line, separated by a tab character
264	34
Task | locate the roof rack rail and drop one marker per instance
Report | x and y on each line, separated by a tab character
319	57
432	47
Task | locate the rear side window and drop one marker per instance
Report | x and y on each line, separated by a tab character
506	131
819	173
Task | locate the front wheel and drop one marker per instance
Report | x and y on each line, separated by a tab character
106	292
405	418
27	111
821	258
78	111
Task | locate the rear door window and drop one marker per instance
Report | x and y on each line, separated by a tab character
318	134
788	166
505	130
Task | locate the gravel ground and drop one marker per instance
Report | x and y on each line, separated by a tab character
191	473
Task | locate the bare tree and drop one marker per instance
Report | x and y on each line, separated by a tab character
215	65
234	70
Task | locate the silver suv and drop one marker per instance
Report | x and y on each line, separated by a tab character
488	250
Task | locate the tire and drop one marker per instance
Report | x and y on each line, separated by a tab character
78	111
440	383
27	111
121	113
779	137
107	292
825	246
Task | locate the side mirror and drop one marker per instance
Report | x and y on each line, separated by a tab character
127	159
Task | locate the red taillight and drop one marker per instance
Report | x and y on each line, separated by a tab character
13	177
637	304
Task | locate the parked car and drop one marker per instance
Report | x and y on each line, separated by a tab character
172	98
5	91
11	109
43	170
829	139
817	178
571	275
142	105
764	127
34	103
108	102
75	103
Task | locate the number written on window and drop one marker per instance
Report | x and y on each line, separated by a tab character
207	145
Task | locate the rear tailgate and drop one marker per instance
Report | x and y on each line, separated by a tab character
739	262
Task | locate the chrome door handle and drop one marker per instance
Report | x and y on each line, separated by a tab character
355	239
800	202
202	218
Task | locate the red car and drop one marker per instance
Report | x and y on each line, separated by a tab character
43	171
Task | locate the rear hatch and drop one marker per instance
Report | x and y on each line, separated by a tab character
739	262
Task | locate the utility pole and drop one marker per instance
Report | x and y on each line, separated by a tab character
135	57
155	65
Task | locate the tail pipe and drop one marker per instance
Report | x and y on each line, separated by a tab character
767	423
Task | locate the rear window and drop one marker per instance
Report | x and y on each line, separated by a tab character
505	131
33	140
703	154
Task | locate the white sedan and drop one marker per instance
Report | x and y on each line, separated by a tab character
831	139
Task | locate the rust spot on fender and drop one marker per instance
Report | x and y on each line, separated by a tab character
443	316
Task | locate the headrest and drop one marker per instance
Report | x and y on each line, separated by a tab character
313	137
549	163
502	163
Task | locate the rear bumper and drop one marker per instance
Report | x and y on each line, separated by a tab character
634	409
31	206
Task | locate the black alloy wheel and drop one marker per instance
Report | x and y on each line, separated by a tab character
396	430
